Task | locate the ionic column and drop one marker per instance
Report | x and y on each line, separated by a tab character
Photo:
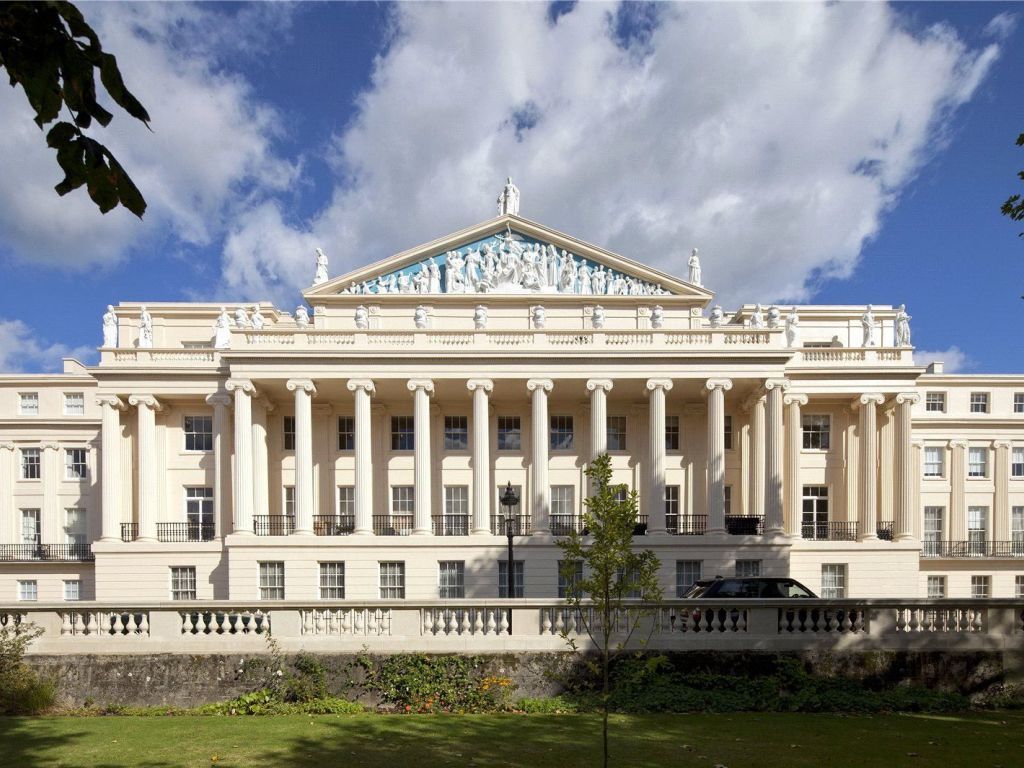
260	473
110	466
422	389
481	389
958	490
221	460
757	484
541	508
363	390
8	528
599	389
304	390
242	495
868	496
52	473
794	444
147	406
774	522
716	389
918	473
906	479
1001	502
656	455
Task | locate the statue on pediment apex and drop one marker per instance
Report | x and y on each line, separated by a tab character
508	200
222	330
302	316
109	327
869	326
902	327
757	319
694	264
321	268
145	329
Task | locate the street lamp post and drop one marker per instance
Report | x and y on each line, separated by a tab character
509	499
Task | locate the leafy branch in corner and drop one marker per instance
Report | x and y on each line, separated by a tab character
1014	205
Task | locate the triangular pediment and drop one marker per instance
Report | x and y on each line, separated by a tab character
508	256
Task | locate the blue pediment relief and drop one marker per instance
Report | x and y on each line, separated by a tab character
506	263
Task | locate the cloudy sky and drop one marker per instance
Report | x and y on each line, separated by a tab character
842	153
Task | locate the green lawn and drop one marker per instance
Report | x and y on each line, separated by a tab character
377	741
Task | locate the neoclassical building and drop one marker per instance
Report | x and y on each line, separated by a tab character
357	449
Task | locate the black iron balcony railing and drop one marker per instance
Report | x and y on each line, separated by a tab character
563	525
972	549
28	552
451	525
392	525
178	532
884	530
838	531
333	525
273	525
521	525
686	525
129	531
744	525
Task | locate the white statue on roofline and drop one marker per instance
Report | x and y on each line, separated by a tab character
321	268
109	327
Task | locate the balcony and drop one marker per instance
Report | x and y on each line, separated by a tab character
686	525
392	525
179	532
956	549
521	525
840	531
564	525
450	525
45	553
334	525
884	531
744	525
273	525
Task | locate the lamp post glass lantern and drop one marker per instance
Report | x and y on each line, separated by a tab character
509	500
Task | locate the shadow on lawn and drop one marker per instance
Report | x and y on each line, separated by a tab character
26	742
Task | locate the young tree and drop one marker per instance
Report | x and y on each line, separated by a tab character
618	587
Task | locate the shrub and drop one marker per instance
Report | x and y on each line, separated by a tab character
556	705
422	683
22	690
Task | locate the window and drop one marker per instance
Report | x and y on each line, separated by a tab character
456	511
288	427
28	590
346	433
1017	529
1018	402
977	530
30	467
74	404
518	571
616	433
456	433
671	433
979	402
28	404
728	433
727	499
933	529
671	505
30	526
747	569
1017	462
561	433
935	402
289	500
199	513
570	574
332	581
392	580
72	589
510	433
183	581
934	461
74	464
936	586
403	433
833	580
977	462
272	581
346	500
451	579
981	587
688	572
563	509
403	500
1018	586
198	433
74	526
816	429
815	512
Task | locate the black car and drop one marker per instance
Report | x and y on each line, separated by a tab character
747	588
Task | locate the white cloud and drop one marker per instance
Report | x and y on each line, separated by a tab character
1002	25
955	359
21	350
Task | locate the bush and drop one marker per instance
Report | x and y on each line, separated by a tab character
422	683
22	691
264	703
556	705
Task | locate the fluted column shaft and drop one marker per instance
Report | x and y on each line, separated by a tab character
716	389
110	466
304	390
656	389
957	487
868	496
794	445
1001	504
363	389
541	511
146	407
8	524
481	389
774	522
241	495
599	389
50	523
906	479
260	469
221	460
757	446
422	389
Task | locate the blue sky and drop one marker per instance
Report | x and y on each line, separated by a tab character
834	154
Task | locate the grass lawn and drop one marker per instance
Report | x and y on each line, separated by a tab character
378	741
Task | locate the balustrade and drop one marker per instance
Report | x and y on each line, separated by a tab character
521	525
107	623
686	525
129	531
334	525
179	532
991	549
229	622
830	531
392	525
273	525
51	552
744	525
355	622
465	621
450	525
563	525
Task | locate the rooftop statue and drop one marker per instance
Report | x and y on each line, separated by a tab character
258	321
902	327
302	316
241	318
145	329
868	324
757	319
508	200
657	317
321	268
695	276
793	329
774	317
109	327
717	317
222	330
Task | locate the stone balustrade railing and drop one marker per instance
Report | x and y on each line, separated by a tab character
527	625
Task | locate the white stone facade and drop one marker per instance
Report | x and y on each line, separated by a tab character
210	459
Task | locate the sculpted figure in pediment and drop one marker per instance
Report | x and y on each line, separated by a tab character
530	278
586	284
553	266
222	330
567	274
434	285
109	327
598	280
405	283
473	271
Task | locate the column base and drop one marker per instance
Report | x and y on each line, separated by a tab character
147	539
302	533
422	532
110	538
868	537
542	534
718	533
775	533
481	532
905	538
363	532
657	532
241	532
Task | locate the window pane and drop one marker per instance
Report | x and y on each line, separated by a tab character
392	580
332	581
75	467
183	583
934	460
509	433
569	574
30	464
936	586
816	431
616	430
935	401
73	589
671	433
346	433
272	581
456	433
746	569
198	433
687	572
833	580
403	434
74	404
28	404
451	579
517	578
561	433
288	426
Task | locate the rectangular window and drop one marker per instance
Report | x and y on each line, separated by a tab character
510	433
199	513
518	571
934	461
289	500
75	467
272	581
403	500
1018	402
728	433
981	587
833	580
183	582
392	580
977	462
977	530
72	590
198	433
935	402
28	590
748	569
671	433
456	511
75	526
933	530
616	432
936	586
561	433
1017	529
570	574
563	509
1018	587
451	579
332	581
346	433
74	404
671	502
28	403
727	499
346	500
688	572
403	433
30	526
1017	462
456	433
815	515
979	402
30	464
288	431
816	430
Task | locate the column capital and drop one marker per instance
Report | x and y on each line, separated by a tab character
485	384
546	384
909	398
919	444
770	384
266	403
306	385
145	401
111	401
240	385
596	384
7	447
794	398
218	399
753	400
1001	443
712	384
427	385
364	384
961	444
869	398
50	446
653	384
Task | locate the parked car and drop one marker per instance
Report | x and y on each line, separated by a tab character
753	587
